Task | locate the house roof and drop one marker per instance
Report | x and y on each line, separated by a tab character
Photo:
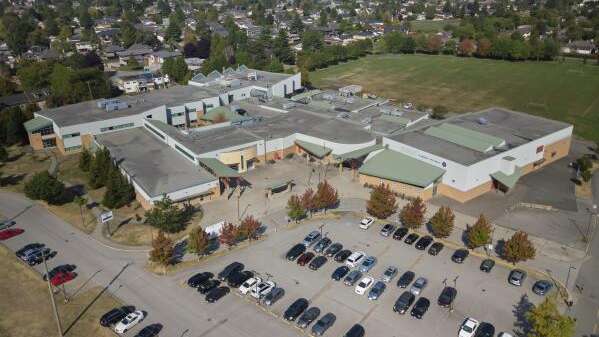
359	153
36	124
509	180
315	149
218	168
468	138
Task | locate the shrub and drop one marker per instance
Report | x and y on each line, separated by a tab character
479	234
43	186
382	202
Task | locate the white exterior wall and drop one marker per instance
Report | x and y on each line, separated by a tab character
277	89
337	148
214	154
189	192
277	144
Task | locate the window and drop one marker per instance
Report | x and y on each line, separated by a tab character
540	148
154	131
177	114
49	142
116	127
553	154
72	148
185	153
149	116
45	131
71	135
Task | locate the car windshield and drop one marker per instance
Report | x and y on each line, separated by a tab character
467	328
388	272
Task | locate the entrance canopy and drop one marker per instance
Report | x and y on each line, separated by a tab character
356	154
319	151
508	180
217	168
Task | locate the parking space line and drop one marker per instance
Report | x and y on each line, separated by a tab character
321	291
368	313
416	261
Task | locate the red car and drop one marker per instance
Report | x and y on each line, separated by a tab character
9	233
62	277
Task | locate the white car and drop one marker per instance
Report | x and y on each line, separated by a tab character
505	334
364	284
249	284
354	259
262	289
129	321
468	328
366	222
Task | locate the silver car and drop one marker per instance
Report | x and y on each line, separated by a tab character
6	224
367	264
389	274
418	286
352	277
311	238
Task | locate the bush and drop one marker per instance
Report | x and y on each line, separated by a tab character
442	222
43	186
479	234
518	248
412	214
167	216
382	202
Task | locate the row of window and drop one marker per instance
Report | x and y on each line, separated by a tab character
71	135
116	127
155	131
48	130
72	148
185	153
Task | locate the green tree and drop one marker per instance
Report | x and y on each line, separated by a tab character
127	34
162	250
518	248
412	214
85	159
43	186
281	48
176	68
382	202
7	87
3	154
34	76
275	66
12	130
119	192
312	41
442	222
439	112
81	202
198	241
167	216
173	31
99	168
295	208
479	234
297	26
546	321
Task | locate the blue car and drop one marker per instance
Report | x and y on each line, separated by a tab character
367	264
377	290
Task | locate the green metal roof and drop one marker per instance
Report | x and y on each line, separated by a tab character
396	166
319	151
36	124
278	184
358	153
218	168
306	94
471	139
508	180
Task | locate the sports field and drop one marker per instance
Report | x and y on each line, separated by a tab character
567	91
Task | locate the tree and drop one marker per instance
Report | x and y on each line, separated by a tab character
34	76
297	26
484	47
12	130
281	49
518	248
127	34
167	216
326	196
479	234
162	249
3	154
466	47
434	44
382	202
312	41
228	235
249	227
119	191
80	201
295	209
412	214
43	186
546	321
275	66
442	222
99	168
198	241
176	69
308	200
439	112
173	31
85	159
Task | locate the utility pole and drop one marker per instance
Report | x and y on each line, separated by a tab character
568	277
56	318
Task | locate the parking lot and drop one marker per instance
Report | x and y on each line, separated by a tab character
486	297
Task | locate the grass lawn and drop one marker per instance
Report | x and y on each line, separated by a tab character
26	309
566	91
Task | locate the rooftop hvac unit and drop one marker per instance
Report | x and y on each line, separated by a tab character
482	121
343	115
252	76
116	106
101	104
288	105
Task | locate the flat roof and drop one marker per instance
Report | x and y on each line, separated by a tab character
515	128
156	167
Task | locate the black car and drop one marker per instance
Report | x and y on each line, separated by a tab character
236	279
231	268
65	268
435	248
403	303
216	294
387	230
323	324
322	245
151	330
333	249
448	294
115	315
31	246
308	317
485	330
207	286
340	273
355	331
295	309
40	255
542	287
487	265
410	239
273	296
424	242
420	307
400	233
342	255
198	278
406	279
295	251
460	255
318	262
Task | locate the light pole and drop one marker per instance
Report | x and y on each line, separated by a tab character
592	214
568	277
320	228
56	317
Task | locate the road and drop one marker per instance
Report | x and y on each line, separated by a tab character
165	300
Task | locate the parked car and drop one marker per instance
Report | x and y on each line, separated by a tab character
151	330
377	290
487	265
485	330
400	233
363	285
322	245
9	233
295	309
410	239
405	279
352	277
389	273
305	258
448	294
308	317
505	334
468	327
207	286
460	255
542	287
403	303
62	278
249	284
366	222
216	294
339	273
27	248
311	238
262	289
235	280
228	270
323	324
115	315
420	307
295	251
517	277
273	296
38	256
333	249
342	255
424	242
198	278
131	320
387	229
355	259
418	286
65	268
318	262
6	224
355	331
435	248
367	264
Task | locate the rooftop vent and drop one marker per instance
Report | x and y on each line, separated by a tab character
252	76
482	121
112	104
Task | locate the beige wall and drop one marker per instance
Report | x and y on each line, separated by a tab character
35	140
60	146
212	194
234	157
397	187
87	140
462	196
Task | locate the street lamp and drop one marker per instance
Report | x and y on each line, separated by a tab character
570	268
592	213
